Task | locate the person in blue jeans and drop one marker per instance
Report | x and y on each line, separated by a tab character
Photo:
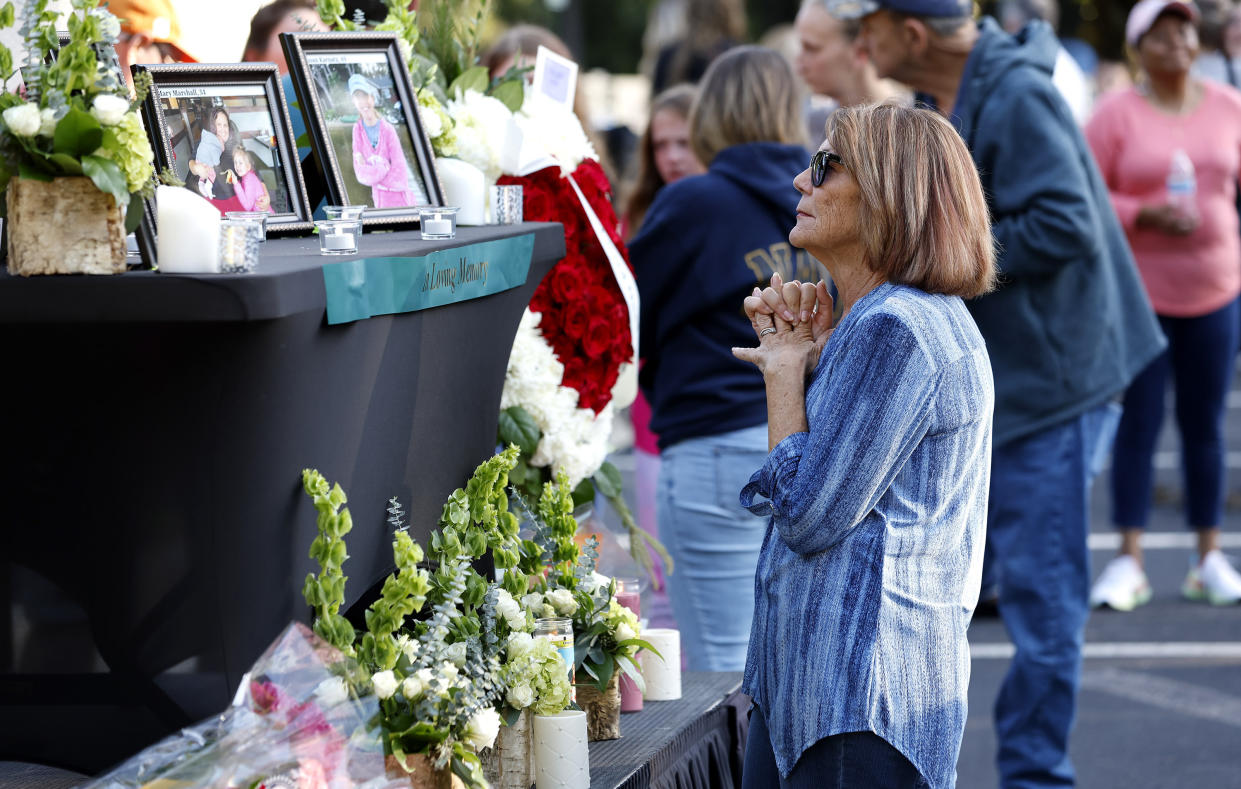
876	484
1067	329
707	240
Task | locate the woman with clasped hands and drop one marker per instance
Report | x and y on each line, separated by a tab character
880	449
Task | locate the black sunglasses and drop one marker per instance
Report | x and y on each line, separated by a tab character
818	166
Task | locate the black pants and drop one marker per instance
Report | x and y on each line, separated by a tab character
857	760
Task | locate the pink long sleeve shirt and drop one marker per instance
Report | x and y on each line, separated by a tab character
382	166
249	189
1133	141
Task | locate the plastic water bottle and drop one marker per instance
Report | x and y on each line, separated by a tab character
1182	186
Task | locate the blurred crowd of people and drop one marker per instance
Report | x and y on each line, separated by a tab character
1112	191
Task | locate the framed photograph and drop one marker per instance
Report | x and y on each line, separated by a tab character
223	130
353	89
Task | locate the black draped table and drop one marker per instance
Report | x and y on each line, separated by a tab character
155	534
696	742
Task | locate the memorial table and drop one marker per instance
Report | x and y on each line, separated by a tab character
154	530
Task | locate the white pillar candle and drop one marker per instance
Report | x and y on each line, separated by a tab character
561	751
188	229
464	185
662	675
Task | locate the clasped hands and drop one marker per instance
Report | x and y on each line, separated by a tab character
792	321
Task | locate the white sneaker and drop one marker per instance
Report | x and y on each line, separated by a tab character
1122	585
1214	580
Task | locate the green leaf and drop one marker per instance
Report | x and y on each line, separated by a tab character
608	480
471	79
133	214
78	134
584	493
303	140
67	164
107	176
7	15
33	173
511	93
518	427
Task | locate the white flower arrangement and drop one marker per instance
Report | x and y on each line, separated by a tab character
557	130
480	124
575	440
535	675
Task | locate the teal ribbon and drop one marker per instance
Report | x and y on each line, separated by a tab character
363	288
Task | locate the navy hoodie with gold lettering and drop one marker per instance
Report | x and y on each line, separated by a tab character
707	241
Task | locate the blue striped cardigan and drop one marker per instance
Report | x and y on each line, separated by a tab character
869	571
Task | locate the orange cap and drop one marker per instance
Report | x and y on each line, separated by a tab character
155	19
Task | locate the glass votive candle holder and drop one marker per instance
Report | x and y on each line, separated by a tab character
506	204
338	236
559	631
438	222
239	247
343	211
258	218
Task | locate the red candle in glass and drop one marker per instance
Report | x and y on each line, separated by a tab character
627	594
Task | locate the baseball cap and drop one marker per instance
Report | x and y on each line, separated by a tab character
154	18
1142	17
856	9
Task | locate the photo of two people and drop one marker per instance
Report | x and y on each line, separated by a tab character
224	148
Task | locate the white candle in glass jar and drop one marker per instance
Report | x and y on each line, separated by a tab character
436	225
338	239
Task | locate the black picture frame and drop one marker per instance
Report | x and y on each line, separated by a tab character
318	63
191	94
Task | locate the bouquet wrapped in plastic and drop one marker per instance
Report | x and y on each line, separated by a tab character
297	722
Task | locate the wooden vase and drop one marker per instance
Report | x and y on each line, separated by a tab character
63	226
509	763
421	772
602	710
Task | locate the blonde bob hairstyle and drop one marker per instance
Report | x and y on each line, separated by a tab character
923	219
748	94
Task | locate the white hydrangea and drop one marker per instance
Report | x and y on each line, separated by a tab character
481	126
574	440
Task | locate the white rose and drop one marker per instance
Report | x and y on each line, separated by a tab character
408	646
109	109
562	600
482	729
385	684
518	645
24	120
412	687
456	653
594	581
331	691
520	697
533	602
47	122
509	609
448	673
624	632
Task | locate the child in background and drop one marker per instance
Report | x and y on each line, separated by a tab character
251	190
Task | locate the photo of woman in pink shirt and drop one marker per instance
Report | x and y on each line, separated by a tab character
378	159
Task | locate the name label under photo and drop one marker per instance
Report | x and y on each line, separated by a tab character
366	287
